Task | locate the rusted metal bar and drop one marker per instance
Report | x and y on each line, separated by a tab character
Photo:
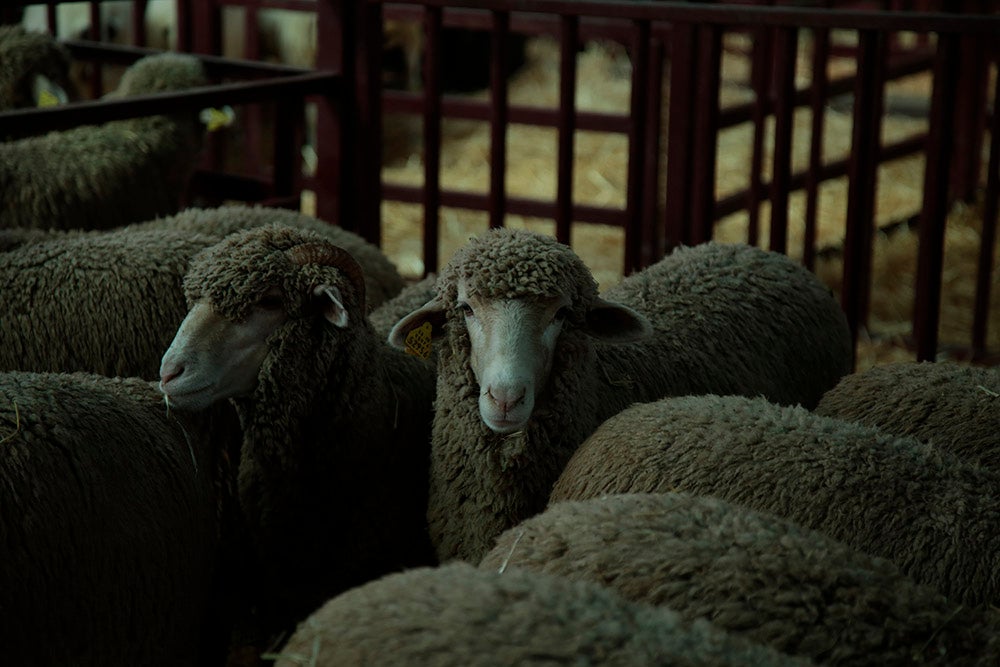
137	17
96	74
862	176
818	90
498	119
637	250
568	37
934	214
368	110
970	117
432	137
706	133
988	236
760	76
785	55
653	240
336	127
677	208
253	118
287	146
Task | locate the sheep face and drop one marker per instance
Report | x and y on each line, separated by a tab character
213	358
246	292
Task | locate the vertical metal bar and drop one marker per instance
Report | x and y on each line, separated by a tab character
654	239
760	76
253	116
680	125
286	156
96	69
818	91
636	250
498	119
988	235
934	213
568	41
205	26
369	123
184	38
704	149
336	133
970	117
862	174
432	136
251	33
785	55
138	18
52	16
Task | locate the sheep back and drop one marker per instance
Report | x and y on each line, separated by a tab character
106	303
382	279
932	515
108	514
457	615
954	407
99	177
751	574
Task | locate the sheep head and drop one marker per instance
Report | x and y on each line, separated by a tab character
243	291
517	294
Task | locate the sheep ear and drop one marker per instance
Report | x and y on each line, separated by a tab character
615	323
433	312
332	305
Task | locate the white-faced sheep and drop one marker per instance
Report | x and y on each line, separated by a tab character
114	520
336	424
456	615
954	407
98	177
34	70
533	360
751	574
110	302
932	515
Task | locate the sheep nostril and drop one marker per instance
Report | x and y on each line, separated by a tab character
167	376
504	401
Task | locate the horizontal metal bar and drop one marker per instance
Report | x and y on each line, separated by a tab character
31	121
740	15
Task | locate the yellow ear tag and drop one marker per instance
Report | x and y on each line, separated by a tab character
418	341
47	99
216	119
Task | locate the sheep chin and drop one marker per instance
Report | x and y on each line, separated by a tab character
504	425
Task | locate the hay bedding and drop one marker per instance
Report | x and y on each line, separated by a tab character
600	179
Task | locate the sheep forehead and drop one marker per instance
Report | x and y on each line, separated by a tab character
509	264
236	272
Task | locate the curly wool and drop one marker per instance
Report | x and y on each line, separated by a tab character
932	515
120	292
458	616
751	574
23	55
98	177
726	319
111	523
954	407
336	435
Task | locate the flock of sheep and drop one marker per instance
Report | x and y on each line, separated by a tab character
232	431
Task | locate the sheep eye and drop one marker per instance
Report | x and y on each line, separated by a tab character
465	309
270	302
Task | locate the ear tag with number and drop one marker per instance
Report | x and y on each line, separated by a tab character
418	341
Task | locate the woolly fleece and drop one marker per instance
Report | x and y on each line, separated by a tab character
99	177
932	515
727	318
110	302
382	279
751	574
109	517
956	408
458	616
23	55
332	476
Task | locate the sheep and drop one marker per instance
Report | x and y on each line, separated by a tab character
954	407
750	574
408	299
34	70
115	518
336	424
98	177
533	360
457	615
110	302
932	515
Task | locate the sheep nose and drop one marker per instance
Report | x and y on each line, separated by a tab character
504	399
170	373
